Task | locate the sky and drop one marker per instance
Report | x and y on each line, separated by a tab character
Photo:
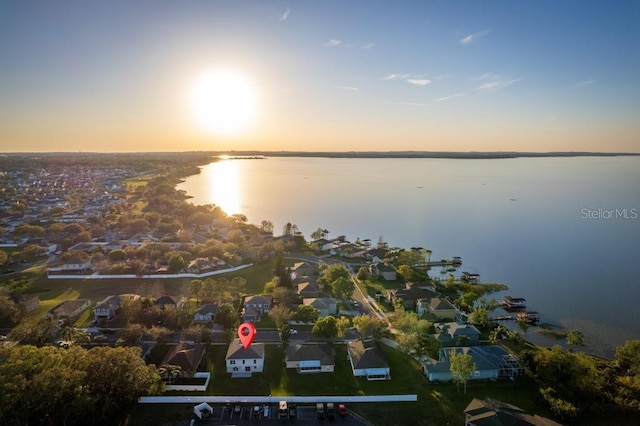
120	76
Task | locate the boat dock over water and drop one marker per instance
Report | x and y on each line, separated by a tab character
514	302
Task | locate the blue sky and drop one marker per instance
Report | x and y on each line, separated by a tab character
327	75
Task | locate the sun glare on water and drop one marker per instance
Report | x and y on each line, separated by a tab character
223	102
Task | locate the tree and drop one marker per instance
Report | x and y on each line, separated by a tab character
406	272
195	288
575	338
497	334
333	272
307	314
176	263
326	327
628	357
479	317
226	316
363	273
266	226
343	288
343	324
318	234
8	309
285	296
281	316
462	366
370	326
170	372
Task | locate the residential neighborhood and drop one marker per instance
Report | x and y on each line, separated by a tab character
99	259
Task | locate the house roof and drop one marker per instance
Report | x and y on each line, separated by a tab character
258	300
185	355
415	294
319	302
366	356
438	304
237	351
308	287
110	301
301	265
322	353
68	307
209	308
455	329
491	412
165	300
23	298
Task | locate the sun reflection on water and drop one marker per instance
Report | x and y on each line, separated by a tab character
224	186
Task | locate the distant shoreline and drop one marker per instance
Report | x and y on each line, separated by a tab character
468	155
424	154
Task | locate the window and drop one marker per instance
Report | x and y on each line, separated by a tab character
232	362
243	362
247	369
255	361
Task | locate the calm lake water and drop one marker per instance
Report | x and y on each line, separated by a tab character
562	232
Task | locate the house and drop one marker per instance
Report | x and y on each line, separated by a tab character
308	289
303	268
383	270
326	305
26	302
492	362
411	295
77	265
205	313
310	358
243	362
185	355
442	309
322	244
367	361
108	308
167	302
251	315
261	304
450	334
203	264
491	412
68	310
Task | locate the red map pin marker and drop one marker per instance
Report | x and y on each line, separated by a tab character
246	333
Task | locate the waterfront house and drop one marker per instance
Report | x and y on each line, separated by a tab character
205	313
310	358
410	296
491	362
450	334
491	412
367	361
326	305
383	270
241	362
442	309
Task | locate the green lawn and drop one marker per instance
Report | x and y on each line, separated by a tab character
257	276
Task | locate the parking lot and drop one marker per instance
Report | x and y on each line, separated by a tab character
239	414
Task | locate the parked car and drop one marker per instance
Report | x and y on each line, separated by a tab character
342	410
237	408
256	411
265	411
331	411
320	410
282	409
355	304
293	412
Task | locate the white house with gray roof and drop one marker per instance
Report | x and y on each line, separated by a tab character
243	362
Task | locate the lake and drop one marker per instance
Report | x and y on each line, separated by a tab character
562	232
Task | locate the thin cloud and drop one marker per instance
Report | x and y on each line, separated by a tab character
396	77
474	36
582	84
498	84
347	88
418	82
332	43
446	98
285	15
367	46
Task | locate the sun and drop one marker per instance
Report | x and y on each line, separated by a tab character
223	102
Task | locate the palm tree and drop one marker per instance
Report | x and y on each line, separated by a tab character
170	372
498	334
